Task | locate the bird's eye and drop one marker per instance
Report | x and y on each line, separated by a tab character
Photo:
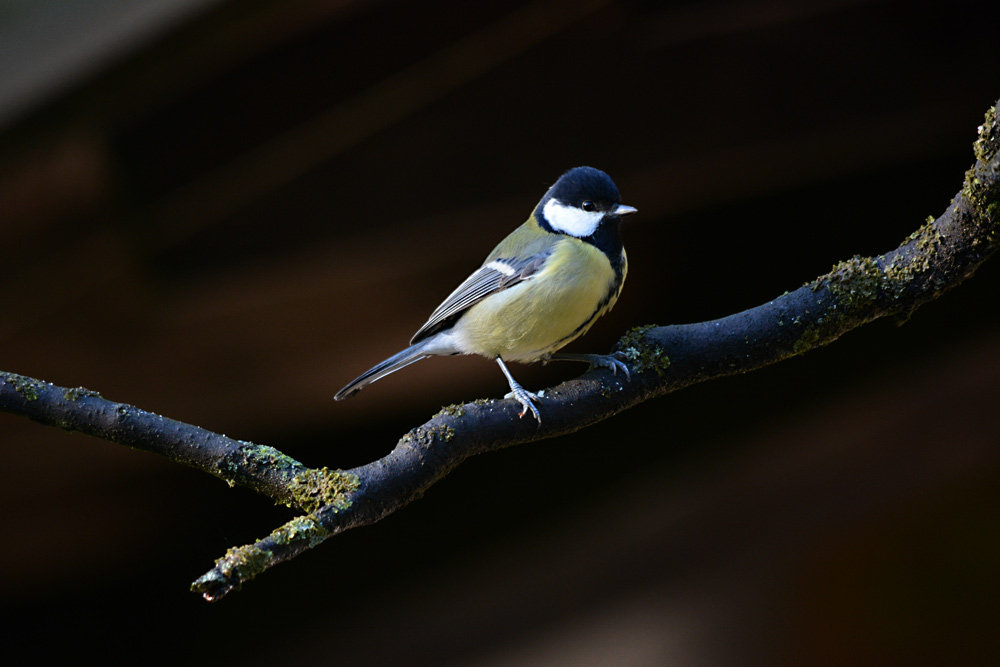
588	206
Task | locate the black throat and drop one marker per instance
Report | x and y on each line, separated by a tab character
608	239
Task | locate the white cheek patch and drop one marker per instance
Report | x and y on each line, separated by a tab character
571	220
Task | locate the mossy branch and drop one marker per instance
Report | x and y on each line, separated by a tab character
935	258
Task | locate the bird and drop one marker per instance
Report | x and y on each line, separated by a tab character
540	288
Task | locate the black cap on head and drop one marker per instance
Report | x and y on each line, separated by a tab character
585	184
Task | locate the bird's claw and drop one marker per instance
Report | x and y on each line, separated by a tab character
610	361
526	399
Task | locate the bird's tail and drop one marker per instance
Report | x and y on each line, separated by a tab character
408	356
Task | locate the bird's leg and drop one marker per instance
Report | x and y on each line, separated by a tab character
595	360
523	396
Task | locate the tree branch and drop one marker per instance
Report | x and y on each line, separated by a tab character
935	258
259	467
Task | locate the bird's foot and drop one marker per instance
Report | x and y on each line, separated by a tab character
526	399
523	396
609	361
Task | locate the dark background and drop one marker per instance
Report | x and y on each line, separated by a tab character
224	211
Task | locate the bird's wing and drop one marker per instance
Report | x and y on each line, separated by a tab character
494	276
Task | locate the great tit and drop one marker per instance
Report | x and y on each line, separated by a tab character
542	287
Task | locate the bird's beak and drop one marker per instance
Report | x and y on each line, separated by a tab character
625	210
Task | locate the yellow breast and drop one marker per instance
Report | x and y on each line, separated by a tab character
576	286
